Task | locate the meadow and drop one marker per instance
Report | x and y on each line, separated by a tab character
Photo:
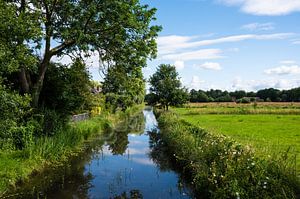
219	167
269	129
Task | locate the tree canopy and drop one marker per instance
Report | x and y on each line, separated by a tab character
166	86
36	31
39	93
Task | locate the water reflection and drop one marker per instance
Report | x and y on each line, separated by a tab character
119	165
118	142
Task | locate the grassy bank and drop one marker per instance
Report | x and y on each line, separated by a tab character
17	166
269	134
219	167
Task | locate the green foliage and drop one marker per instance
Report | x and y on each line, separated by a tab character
202	97
244	100
123	87
268	95
17	29
67	89
151	99
18	165
225	98
221	168
16	126
166	85
119	31
238	94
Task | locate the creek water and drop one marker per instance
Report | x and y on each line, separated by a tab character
126	162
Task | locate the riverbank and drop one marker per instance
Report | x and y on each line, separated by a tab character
218	166
18	166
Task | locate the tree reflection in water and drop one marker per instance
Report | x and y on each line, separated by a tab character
158	151
103	171
52	182
118	141
134	194
164	161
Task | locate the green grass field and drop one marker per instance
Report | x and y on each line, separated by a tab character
270	133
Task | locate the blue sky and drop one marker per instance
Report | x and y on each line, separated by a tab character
230	44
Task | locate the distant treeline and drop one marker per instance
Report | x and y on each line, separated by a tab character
264	95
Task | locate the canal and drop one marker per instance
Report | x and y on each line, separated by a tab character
125	162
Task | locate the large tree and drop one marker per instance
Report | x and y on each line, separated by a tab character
166	86
118	30
124	87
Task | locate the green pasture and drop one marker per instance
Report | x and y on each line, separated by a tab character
267	134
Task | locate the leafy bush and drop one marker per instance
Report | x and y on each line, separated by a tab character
67	89
221	168
113	102
16	125
53	122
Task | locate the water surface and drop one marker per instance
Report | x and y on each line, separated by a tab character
124	163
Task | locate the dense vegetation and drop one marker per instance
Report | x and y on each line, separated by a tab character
267	95
38	94
219	167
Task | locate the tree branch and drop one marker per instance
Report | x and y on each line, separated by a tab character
58	49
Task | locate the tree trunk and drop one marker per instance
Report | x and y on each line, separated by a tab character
37	88
24	81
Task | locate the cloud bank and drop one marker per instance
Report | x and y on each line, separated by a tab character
283	70
265	7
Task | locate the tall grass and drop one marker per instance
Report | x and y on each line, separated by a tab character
17	166
221	168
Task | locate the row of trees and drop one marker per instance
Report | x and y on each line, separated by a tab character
166	90
268	95
37	94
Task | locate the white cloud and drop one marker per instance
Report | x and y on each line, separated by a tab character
203	54
265	7
259	26
63	59
210	66
195	83
297	41
284	70
179	65
174	43
239	84
144	161
233	50
288	62
91	59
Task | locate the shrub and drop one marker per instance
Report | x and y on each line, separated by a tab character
16	124
53	121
